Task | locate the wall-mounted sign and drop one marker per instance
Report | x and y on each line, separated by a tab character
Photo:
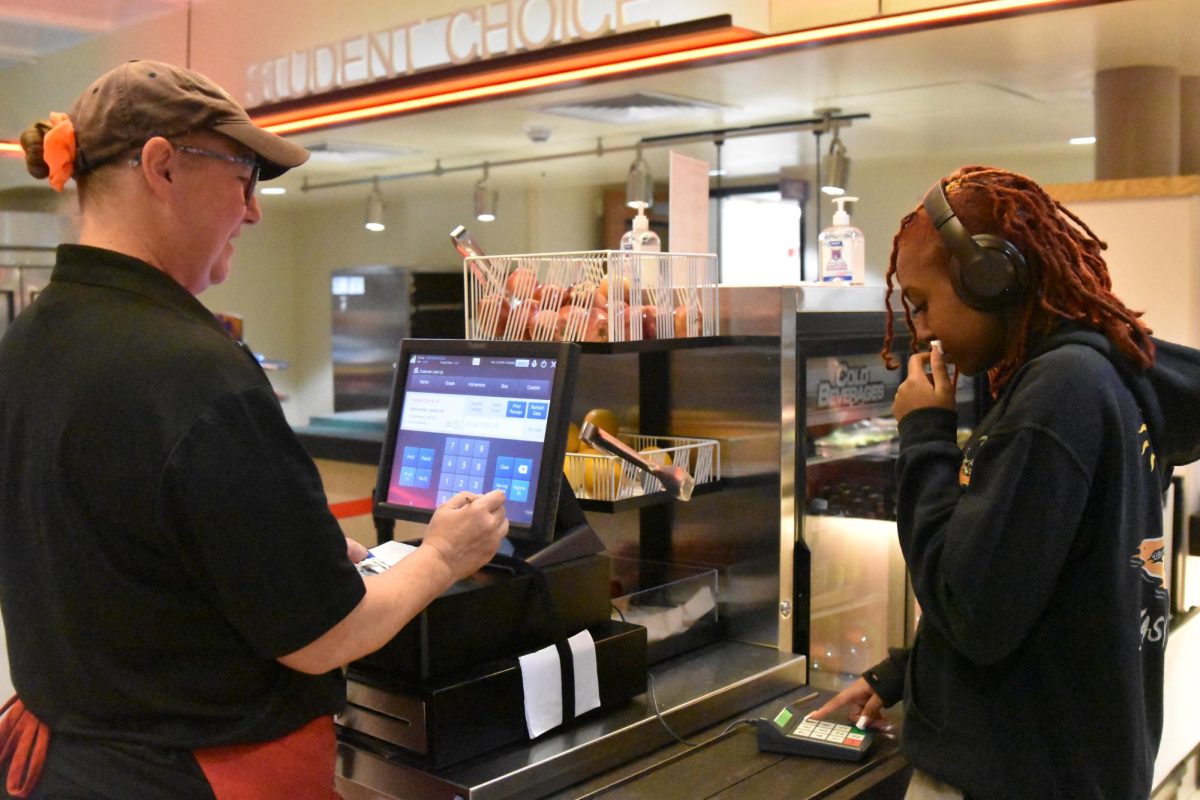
474	33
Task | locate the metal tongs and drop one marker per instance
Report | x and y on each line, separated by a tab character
676	480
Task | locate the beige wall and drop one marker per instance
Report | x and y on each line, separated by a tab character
280	280
1154	257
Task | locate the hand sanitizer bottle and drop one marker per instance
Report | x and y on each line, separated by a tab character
640	238
842	249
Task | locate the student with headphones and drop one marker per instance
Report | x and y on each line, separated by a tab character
1035	552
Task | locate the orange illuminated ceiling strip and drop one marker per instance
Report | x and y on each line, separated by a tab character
549	70
11	149
620	61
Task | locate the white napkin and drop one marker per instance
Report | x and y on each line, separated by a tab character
541	680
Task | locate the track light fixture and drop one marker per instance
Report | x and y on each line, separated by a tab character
639	186
837	169
485	201
374	219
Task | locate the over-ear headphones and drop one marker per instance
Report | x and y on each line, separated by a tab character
988	271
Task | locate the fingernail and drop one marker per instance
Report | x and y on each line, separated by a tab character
863	722
935	344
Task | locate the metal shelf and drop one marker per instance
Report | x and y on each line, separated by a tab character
882	449
667	345
645	500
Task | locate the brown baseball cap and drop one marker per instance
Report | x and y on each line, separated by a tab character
139	100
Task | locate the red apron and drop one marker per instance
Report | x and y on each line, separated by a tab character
23	743
298	766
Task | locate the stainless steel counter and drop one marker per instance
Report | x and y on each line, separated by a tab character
694	692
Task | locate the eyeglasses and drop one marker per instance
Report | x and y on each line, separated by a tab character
247	161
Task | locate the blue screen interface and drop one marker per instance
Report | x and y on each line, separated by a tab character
472	424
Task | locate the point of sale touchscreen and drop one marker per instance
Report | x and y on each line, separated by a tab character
472	423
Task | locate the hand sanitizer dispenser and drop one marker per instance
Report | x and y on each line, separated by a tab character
842	249
641	238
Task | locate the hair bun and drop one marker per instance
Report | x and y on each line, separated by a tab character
31	143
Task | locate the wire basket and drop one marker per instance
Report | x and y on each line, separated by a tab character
601	476
574	297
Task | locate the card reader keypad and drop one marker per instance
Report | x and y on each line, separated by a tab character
810	737
829	732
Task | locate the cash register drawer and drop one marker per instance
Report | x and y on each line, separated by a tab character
494	614
446	720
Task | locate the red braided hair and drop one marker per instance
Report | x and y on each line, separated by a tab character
1068	275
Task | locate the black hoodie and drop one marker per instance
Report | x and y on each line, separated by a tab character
1036	554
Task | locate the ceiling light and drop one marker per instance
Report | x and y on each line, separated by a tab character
837	167
639	186
272	190
485	201
1082	140
374	221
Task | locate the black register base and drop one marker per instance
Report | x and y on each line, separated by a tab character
448	719
694	691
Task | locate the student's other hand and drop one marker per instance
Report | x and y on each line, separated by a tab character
863	708
466	531
921	389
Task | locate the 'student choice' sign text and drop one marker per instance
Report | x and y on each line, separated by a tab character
469	34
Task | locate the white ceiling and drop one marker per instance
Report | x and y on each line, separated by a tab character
31	29
1021	84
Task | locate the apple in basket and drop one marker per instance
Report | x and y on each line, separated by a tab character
649	322
681	319
584	324
586	295
546	326
551	296
491	316
521	283
606	282
521	318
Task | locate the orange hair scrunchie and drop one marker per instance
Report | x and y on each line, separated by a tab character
58	149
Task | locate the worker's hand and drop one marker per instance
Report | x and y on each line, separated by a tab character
354	551
466	531
863	707
921	389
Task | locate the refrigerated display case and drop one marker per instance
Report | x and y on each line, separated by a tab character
859	599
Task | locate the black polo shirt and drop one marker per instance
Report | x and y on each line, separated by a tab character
163	535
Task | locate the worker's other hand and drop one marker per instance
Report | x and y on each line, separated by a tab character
355	551
467	530
863	708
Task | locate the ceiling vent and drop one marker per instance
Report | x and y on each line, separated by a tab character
350	153
634	107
